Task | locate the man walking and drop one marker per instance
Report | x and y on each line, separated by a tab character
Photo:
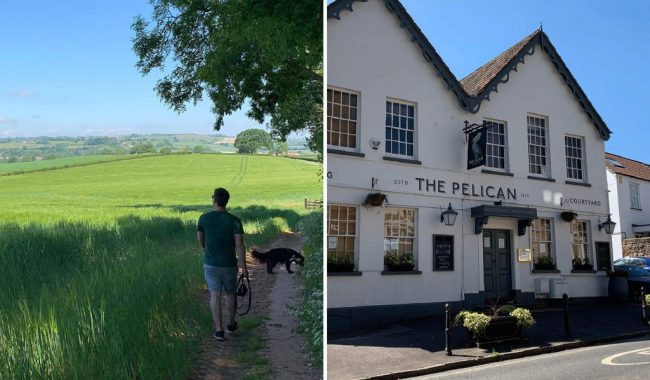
221	236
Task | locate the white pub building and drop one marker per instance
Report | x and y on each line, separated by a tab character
409	226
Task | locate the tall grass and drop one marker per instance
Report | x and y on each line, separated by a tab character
100	279
311	309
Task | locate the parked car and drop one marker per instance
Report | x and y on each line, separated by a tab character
643	262
637	277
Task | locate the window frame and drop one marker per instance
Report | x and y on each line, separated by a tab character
330	117
505	157
546	147
586	244
582	159
355	252
550	242
638	196
415	128
398	237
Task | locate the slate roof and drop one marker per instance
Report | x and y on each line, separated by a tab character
630	168
478	86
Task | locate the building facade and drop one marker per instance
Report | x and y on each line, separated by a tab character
395	124
629	199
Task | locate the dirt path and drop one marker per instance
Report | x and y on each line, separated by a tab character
287	346
274	297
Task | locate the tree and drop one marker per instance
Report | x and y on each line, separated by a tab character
250	140
280	147
266	53
165	150
143	148
199	149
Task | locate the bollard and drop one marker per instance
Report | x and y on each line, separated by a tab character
644	313
448	329
567	329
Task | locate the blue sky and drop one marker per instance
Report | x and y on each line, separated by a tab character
67	68
605	44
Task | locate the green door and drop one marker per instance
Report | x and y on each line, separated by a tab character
497	264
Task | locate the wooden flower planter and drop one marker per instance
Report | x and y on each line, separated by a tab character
340	267
544	266
500	329
400	267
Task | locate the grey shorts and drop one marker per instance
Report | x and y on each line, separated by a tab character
220	279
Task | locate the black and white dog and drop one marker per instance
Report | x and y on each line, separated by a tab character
279	255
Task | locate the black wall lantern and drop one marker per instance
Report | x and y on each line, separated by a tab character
449	216
608	225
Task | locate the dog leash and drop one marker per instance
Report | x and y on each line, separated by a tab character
243	290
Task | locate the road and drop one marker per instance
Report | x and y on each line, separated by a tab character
621	360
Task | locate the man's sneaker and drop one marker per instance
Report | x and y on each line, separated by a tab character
218	335
231	328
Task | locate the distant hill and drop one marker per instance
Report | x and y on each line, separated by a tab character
31	149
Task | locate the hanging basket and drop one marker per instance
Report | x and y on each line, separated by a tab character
568	216
375	200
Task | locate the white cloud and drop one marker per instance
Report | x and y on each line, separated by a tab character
7	132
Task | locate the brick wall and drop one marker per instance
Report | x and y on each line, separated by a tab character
636	247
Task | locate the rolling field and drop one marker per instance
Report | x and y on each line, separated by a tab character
100	272
58	163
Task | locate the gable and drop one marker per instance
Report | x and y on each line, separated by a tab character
478	86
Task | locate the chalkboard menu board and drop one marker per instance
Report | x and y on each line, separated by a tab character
443	252
603	256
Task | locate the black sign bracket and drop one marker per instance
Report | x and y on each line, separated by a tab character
469	128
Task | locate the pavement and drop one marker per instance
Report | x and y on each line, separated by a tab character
416	348
621	360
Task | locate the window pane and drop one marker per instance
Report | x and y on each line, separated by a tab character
338	119
345	99
496	145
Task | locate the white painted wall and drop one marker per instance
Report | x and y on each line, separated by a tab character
622	212
614	208
370	54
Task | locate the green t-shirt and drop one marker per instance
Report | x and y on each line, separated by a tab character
220	228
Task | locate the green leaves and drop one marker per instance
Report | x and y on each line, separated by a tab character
250	140
269	54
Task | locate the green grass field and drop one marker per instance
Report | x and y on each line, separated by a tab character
100	273
57	163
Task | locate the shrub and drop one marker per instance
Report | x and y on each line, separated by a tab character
477	322
545	260
524	317
344	259
473	321
398	259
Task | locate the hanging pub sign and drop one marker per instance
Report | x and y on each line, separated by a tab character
477	140
443	252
